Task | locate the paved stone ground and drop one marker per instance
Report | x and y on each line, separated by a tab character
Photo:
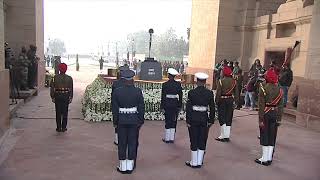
34	151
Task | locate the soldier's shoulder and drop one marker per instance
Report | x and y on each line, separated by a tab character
208	91
177	83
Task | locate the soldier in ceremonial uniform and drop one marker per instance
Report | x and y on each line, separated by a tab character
200	101
225	97
270	110
61	93
117	84
128	117
171	103
57	61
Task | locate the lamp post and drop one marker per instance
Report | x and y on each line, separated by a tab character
117	56
150	41
132	50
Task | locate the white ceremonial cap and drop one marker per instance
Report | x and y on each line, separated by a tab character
173	71
201	76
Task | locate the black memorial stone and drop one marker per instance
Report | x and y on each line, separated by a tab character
151	70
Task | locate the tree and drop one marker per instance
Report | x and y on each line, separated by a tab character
166	46
57	47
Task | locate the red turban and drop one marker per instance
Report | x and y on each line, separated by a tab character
271	76
227	71
63	68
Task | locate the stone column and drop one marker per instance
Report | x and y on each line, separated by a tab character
39	19
313	56
4	79
25	26
203	36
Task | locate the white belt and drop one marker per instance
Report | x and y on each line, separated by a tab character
200	108
171	96
128	110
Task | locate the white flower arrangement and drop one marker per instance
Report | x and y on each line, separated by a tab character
96	103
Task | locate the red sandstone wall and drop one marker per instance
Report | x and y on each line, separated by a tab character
191	70
4	101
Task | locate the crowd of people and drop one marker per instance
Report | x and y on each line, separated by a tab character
255	77
179	66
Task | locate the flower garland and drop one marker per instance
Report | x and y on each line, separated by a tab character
96	103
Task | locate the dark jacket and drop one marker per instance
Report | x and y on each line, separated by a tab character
127	96
171	87
223	86
200	96
61	84
250	87
286	77
267	94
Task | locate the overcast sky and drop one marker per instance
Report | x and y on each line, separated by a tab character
86	24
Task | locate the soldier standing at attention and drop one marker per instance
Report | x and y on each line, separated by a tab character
128	117
200	100
57	61
117	84
171	103
225	97
270	111
61	93
101	63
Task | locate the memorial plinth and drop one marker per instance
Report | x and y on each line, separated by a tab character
151	70
97	98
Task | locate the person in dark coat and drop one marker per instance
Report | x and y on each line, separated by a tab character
270	112
285	81
200	101
249	98
171	104
57	61
225	98
117	84
128	117
61	93
101	63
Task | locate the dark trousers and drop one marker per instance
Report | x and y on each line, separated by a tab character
116	130
128	141
171	118
198	134
225	111
62	105
268	132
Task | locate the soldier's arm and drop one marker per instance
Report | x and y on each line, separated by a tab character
141	108
71	90
115	109
212	114
162	96
262	103
180	96
188	109
280	111
218	92
52	85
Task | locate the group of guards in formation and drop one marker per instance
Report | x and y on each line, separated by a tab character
128	112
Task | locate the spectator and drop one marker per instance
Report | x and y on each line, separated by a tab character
236	68
285	81
254	65
249	101
239	78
